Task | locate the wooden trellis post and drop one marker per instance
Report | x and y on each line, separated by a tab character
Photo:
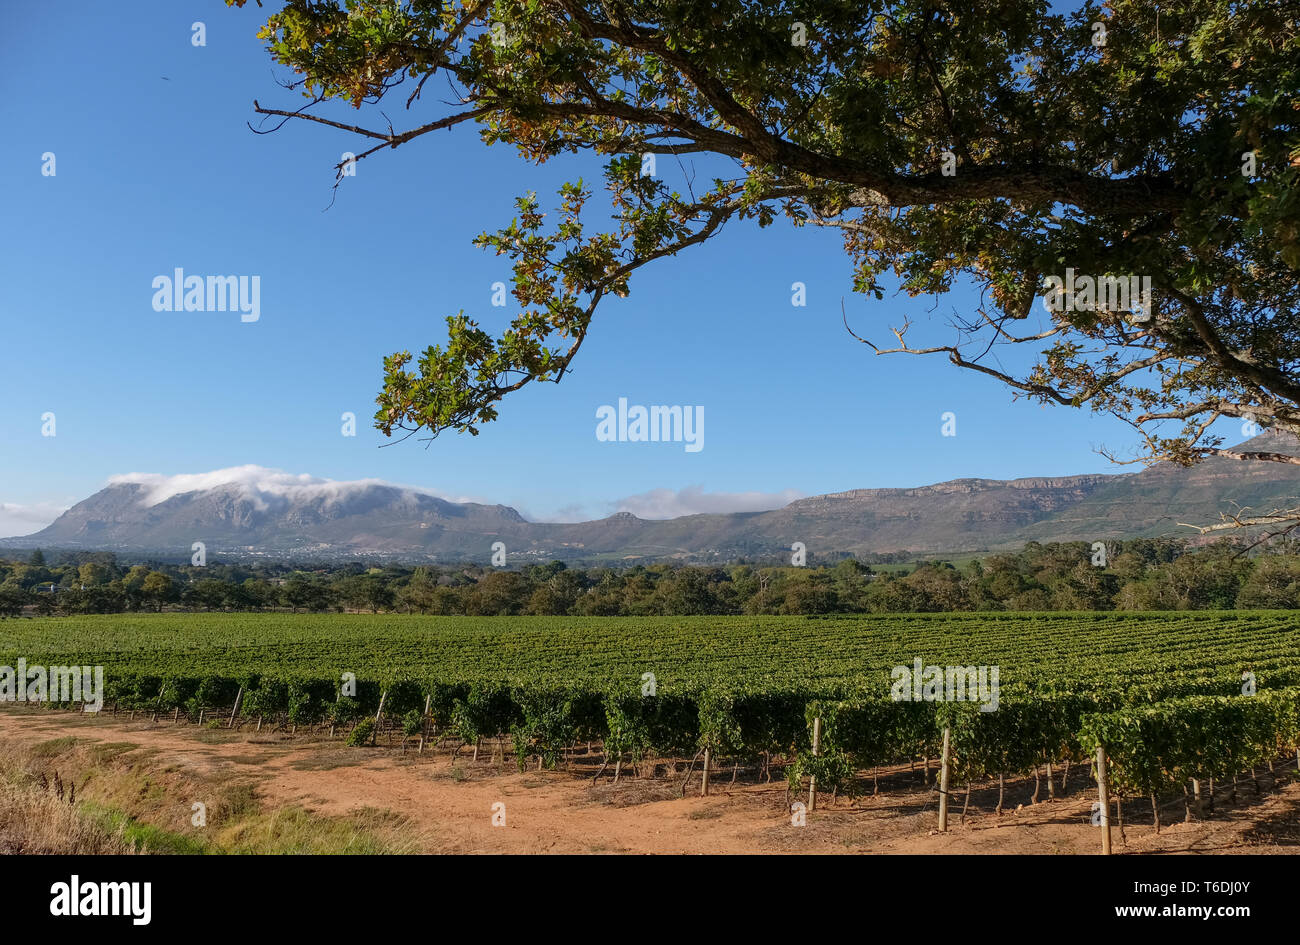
816	751
378	715
1103	795
943	781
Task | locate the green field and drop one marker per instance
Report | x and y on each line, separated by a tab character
1163	692
1031	649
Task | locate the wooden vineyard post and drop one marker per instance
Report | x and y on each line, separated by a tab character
201	711
704	784
943	781
424	723
239	697
1103	795
816	750
378	715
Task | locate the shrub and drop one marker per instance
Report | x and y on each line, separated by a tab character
412	722
361	734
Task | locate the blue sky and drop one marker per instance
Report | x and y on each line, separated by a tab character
156	170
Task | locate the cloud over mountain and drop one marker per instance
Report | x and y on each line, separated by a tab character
260	485
693	500
19	519
251	510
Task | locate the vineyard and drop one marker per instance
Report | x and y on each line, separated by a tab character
1173	699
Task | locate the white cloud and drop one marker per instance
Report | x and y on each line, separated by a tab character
18	520
693	500
260	484
268	487
574	512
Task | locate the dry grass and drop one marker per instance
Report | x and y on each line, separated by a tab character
114	797
295	830
35	820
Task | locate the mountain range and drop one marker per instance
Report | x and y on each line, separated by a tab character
253	512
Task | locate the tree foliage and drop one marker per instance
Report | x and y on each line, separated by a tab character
1124	139
1141	574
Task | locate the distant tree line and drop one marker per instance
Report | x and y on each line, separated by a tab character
1142	574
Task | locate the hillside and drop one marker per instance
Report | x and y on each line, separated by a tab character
247	517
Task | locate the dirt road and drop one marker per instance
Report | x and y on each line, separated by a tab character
449	806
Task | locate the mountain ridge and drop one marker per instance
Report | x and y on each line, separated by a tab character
264	513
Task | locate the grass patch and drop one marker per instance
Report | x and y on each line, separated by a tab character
217	736
294	830
146	837
235	801
101	752
143	803
33	820
54	747
705	813
237	826
326	760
